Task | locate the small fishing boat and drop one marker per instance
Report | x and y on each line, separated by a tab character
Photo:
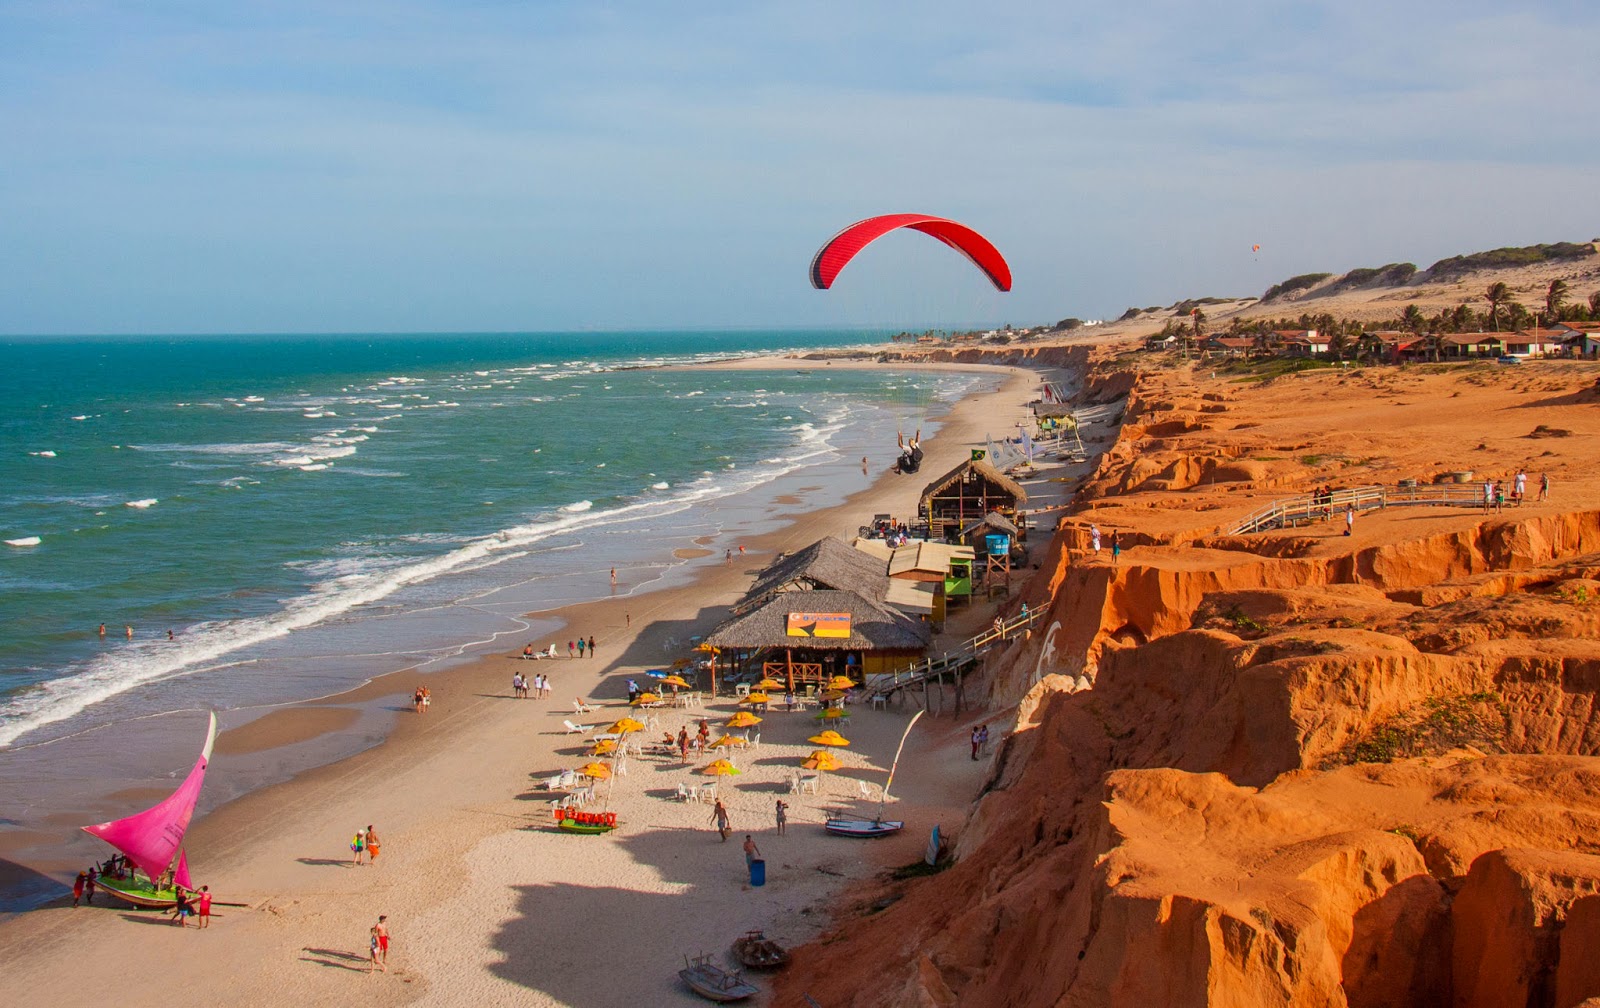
863	827
877	826
757	951
714	983
153	865
585	822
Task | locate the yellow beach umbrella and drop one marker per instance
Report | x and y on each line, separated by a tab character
604	747
829	738
841	682
721	768
832	694
756	698
599	771
822	759
729	740
769	683
833	712
707	648
675	680
644	698
624	726
743	719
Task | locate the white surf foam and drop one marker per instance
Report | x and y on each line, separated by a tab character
578	506
47	453
314	467
25	541
146	502
663	485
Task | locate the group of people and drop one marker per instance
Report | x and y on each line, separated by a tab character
187	902
522	686
365	844
980	739
1116	542
1494	491
721	822
421	699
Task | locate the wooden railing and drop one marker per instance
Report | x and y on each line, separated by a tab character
1308	508
1008	630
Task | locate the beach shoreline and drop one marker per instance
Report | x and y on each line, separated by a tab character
252	843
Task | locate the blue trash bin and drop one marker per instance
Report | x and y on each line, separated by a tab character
758	872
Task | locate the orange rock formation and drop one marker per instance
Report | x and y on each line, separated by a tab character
1313	769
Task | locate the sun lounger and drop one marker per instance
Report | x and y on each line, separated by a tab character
577	729
605	736
580	707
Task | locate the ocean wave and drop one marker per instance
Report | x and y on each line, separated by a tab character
663	485
25	541
578	506
314	467
47	453
144	503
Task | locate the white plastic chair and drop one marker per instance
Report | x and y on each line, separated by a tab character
742	689
622	767
880	701
685	792
865	789
809	782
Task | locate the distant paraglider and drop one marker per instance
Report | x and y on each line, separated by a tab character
842	247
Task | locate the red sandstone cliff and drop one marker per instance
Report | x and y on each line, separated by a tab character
1312	770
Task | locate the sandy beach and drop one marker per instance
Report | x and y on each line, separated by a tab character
485	902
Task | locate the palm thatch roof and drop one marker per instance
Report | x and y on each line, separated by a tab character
983	469
873	625
994	520
1061	411
826	563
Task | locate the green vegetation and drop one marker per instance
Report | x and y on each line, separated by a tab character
1293	284
1392	275
1260	369
1240	621
1186	306
1311	460
1434	726
1503	258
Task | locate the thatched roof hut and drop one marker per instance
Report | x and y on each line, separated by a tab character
873	626
994	521
971	490
829	563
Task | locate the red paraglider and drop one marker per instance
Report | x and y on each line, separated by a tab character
842	247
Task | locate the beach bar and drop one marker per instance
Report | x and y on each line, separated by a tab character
805	638
969	491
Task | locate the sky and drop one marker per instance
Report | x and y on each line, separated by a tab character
173	167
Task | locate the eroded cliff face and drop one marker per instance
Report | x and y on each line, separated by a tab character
1311	769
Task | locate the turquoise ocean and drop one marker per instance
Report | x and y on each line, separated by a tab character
306	512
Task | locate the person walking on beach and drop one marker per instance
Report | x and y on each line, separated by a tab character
581	646
379	945
371	837
983	739
77	887
683	742
181	908
591	645
516	685
1519	487
1349	518
751	851
1488	495
1116	545
1544	486
1094	539
719	819
416	700
571	649
782	814
358	846
202	902
977	740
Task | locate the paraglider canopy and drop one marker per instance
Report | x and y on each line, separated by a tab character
842	247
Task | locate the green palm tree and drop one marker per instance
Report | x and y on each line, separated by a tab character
1412	320
1496	295
1553	298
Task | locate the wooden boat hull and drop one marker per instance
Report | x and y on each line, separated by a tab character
139	893
865	828
572	826
757	951
714	984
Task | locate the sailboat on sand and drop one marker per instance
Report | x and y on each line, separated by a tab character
878	826
153	866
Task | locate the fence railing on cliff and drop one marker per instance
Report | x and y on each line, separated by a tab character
934	666
1308	508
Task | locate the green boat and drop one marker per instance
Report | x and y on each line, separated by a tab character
151	842
585	822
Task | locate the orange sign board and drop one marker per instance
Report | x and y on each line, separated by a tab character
819	624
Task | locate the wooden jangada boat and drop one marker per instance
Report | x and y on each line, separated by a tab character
585	822
757	951
153	866
878	826
714	983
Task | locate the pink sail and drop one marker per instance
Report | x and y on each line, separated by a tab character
180	874
151	838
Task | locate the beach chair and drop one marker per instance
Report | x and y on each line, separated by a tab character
685	792
707	792
622	767
755	740
605	737
553	782
567	778
865	790
580	707
742	689
577	729
880	701
809	782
